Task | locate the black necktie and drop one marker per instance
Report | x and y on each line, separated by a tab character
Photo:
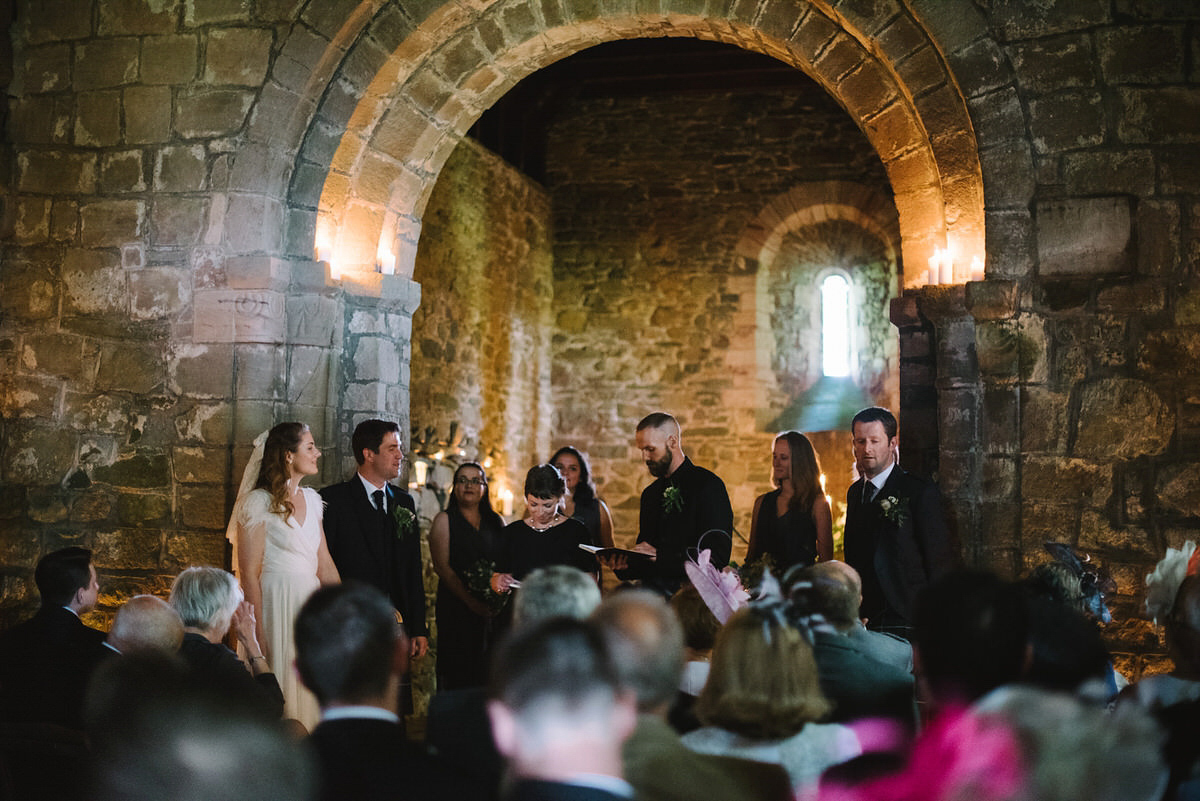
378	496
868	492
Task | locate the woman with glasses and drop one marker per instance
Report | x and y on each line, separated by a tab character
463	542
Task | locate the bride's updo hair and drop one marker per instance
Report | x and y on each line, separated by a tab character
273	475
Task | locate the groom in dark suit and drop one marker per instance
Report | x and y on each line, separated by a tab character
895	535
372	529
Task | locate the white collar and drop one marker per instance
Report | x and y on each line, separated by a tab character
358	713
882	477
370	488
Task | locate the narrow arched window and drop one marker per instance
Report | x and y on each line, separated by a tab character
835	326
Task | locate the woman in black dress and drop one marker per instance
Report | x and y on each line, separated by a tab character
462	543
580	501
545	536
794	524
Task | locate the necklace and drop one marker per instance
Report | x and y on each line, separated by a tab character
546	527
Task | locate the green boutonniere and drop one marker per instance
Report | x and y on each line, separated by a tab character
672	500
894	510
406	521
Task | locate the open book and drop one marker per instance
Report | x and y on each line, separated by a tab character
598	551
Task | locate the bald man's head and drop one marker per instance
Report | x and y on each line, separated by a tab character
146	623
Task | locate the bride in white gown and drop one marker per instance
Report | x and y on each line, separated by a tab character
281	553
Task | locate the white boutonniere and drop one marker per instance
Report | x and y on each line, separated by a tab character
406	521
894	510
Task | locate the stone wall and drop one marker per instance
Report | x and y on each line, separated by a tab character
654	308
481	339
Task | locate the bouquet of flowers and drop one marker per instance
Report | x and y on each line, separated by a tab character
478	579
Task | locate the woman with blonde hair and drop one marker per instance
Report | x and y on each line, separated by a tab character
282	557
762	700
794	524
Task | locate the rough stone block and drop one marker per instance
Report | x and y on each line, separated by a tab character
1142	54
1121	172
1159	115
1044	420
237	56
254	224
202	113
98	119
93	282
1068	120
1001	420
313	320
56	172
1054	63
159	292
121	172
99	414
1047	522
129	367
27	396
55	354
169	59
47	68
999	480
199	465
212	423
1121	418
1178	169
111	222
135	471
32	224
179	220
376	359
192	548
1141	297
1178	488
1086	235
1067	481
260	372
104	63
118	17
202	371
1008	171
1017	19
1168	353
147	114
64	220
180	169
223	315
141	510
308	378
992	300
127	549
91	507
37	456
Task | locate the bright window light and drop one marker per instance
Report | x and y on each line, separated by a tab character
835	326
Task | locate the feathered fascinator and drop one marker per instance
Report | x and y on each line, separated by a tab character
1163	584
1094	582
959	756
721	590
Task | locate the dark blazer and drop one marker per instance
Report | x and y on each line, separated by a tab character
535	790
859	686
45	665
218	667
896	557
365	547
370	760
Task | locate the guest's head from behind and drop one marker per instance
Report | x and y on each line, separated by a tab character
146	623
832	589
660	441
1074	750
699	625
555	591
349	649
289	454
970	635
1055	582
66	577
874	435
557	707
646	642
572	463
377	449
206	598
1182	627
158	733
763	680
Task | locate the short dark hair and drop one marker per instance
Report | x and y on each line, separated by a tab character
699	624
827	591
971	629
544	481
656	420
345	642
369	434
62	573
560	658
877	414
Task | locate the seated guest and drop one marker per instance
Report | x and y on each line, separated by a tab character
763	698
859	685
157	733
45	662
970	636
1173	601
209	601
145	623
1073	750
351	654
559	714
458	730
879	645
700	628
646	643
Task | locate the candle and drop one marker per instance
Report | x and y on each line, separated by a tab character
977	269
422	469
387	263
506	502
947	271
